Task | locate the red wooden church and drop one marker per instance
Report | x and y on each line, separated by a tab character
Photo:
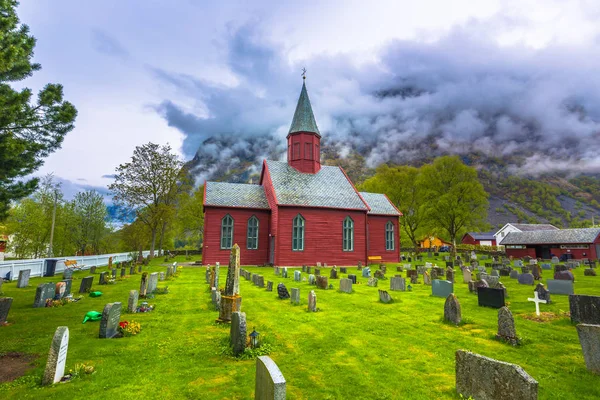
301	212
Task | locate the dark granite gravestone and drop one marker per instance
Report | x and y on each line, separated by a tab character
131	270
514	274
490	297
560	287
543	294
584	309
103	280
282	291
93	270
343	270
322	282
526	279
86	284
352	278
122	272
379	274
109	325
484	378
452	311
317	271
269	286
43	292
5	303
333	273
411	272
68	273
449	264
589	272
564	275
559	268
113	273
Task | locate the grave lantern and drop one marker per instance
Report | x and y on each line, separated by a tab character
254	338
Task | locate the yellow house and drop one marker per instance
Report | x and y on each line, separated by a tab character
433	241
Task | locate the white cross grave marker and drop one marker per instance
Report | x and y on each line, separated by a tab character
537	302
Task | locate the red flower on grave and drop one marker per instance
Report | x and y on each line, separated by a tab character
123	324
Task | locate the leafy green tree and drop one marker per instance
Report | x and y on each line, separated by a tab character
148	184
456	200
29	131
400	184
90	215
190	219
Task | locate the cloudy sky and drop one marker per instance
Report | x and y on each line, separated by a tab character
498	77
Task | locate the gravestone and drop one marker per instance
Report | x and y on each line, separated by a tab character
359	266
317	271
414	279
546	266
308	268
218	270
560	286
440	288
152	282
589	272
43	292
5	304
411	272
23	278
542	292
237	333
113	273
505	272
86	284
297	276
506	326
270	383
260	280
536	271
215	297
466	275
372	282
501	380
514	274
254	279
131	270
352	278
426	278
277	272
333	273
93	270
564	275
379	274
140	268
269	286
384	296
366	272
57	357
282	291
343	270
304	268
490	297
144	284
584	309
295	299
492	281
284	273
346	285
161	276
103	280
132	302
122	272
109	325
494	272
397	284
312	301
555	260
526	279
589	338
518	263
452	311
312	280
68	284
231	300
322	282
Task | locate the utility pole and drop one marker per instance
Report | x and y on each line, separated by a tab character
53	222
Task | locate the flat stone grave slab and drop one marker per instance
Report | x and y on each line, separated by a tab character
440	288
556	286
490	297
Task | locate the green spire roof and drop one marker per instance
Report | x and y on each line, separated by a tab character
304	119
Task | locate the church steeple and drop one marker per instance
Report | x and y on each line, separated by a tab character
304	139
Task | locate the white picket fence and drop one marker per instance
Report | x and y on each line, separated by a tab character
37	265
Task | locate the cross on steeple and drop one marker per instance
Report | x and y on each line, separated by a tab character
537	302
303	73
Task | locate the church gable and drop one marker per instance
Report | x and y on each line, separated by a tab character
328	188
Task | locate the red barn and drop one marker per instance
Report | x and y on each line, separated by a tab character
301	212
483	239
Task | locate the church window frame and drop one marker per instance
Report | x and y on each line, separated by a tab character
296	149
227	223
389	236
348	234
252	233
298	230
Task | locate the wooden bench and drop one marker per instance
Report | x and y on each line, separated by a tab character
374	258
72	264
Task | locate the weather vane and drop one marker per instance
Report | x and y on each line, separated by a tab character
303	73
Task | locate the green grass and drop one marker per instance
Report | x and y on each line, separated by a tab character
354	348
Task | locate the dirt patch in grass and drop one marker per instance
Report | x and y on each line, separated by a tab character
545	316
14	365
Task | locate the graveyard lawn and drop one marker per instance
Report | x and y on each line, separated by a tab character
354	347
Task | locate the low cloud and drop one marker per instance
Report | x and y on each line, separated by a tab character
106	44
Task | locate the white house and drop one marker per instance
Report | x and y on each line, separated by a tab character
506	229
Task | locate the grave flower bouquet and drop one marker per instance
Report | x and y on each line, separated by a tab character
130	328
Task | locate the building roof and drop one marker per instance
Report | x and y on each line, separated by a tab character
559	236
379	204
304	119
482	235
327	188
235	195
535	227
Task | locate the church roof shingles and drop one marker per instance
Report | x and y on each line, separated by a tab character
304	119
379	204
235	195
